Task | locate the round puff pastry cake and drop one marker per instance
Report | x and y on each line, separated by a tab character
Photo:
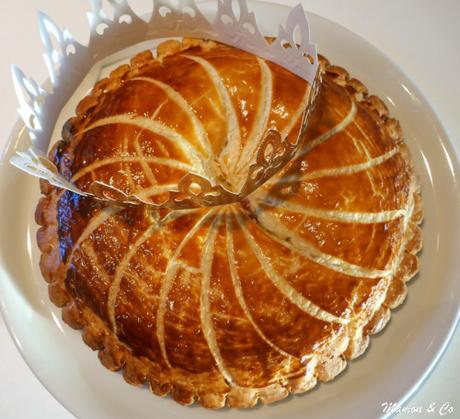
232	304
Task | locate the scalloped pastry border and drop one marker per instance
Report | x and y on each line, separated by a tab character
324	365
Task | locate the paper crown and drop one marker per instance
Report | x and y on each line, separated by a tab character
68	62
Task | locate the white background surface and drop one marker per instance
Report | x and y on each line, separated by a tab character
422	36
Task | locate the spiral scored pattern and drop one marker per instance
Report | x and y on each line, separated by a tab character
242	302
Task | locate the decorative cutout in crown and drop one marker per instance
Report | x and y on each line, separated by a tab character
68	63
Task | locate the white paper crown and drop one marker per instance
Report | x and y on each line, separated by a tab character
68	62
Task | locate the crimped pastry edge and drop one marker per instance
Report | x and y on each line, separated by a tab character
324	366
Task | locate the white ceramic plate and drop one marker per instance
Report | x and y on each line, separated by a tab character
398	359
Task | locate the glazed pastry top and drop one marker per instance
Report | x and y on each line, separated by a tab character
243	295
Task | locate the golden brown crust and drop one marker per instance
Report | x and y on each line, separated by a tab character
350	343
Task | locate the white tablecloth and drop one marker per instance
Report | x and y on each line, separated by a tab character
422	36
